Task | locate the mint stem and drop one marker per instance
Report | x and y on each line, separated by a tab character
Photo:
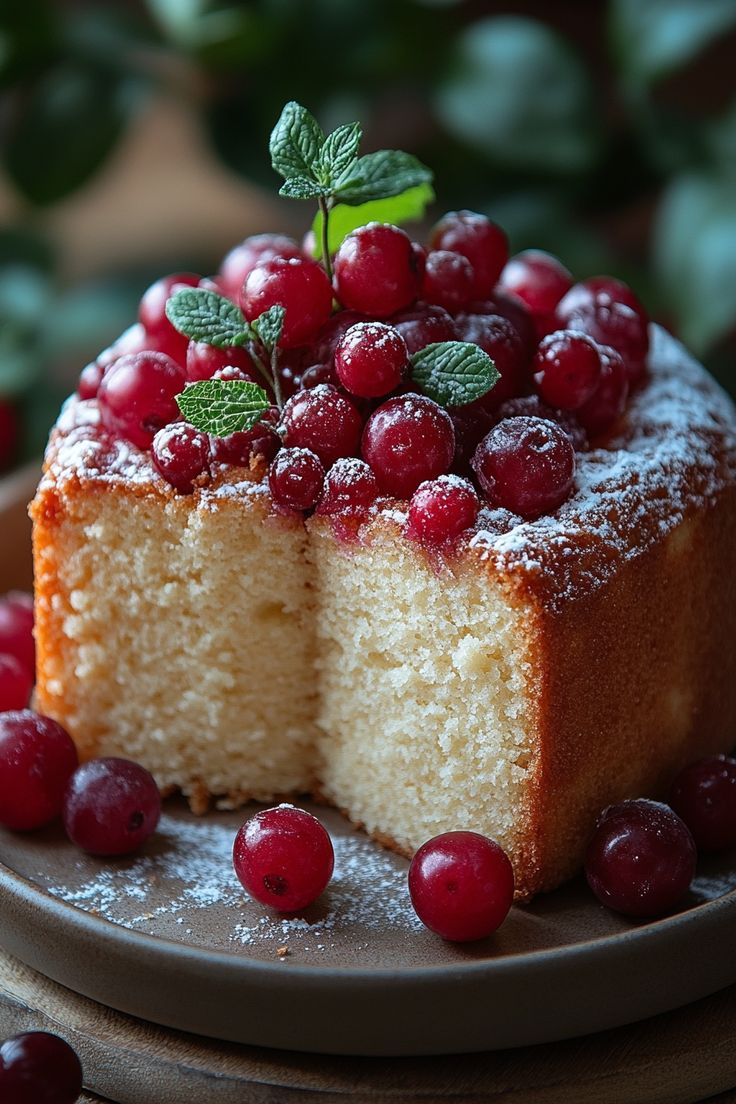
269	375
276	378
327	262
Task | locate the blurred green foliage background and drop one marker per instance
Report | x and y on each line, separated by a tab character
604	132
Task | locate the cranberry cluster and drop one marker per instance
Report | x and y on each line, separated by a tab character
567	354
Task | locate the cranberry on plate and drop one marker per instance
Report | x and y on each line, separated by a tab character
283	857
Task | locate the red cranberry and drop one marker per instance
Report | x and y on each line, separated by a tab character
608	401
203	360
37	758
500	339
317	374
111	806
370	359
90	379
704	796
531	406
526	465
16	628
240	261
350	486
407	440
461	885
137	397
240	448
539	280
611	314
15	683
283	857
152	314
478	239
471	424
514	310
322	349
297	284
425	325
133	340
641	858
9	432
295	479
180	453
420	259
567	369
449	280
39	1068
376	270
441	509
324	421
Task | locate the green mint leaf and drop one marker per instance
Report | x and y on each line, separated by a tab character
379	175
295	143
206	316
407	206
299	187
222	407
269	325
339	152
454	373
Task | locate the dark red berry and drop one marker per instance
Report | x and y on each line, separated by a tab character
283	857
471	424
448	281
532	406
111	806
203	360
539	281
137	397
567	369
180	453
90	379
420	259
37	759
517	314
376	270
243	258
424	326
324	421
240	448
39	1068
608	401
370	359
350	485
407	440
611	314
297	284
499	338
317	374
9	432
295	479
16	629
526	465
461	885
641	858
163	337
133	340
322	349
441	509
478	239
15	683
704	796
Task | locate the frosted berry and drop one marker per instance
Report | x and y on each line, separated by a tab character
39	1068
407	440
526	465
9	432
203	360
297	284
161	335
137	397
611	314
704	796
641	858
461	885
539	280
478	239
90	379
243	258
448	281
295	479
533	407
350	486
15	683
498	337
424	326
324	421
239	448
317	374
567	369
37	759
370	359
133	340
180	453
441	509
608	401
283	858
16	628
376	270
111	806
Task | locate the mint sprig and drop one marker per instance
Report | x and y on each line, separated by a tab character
222	407
454	373
328	168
